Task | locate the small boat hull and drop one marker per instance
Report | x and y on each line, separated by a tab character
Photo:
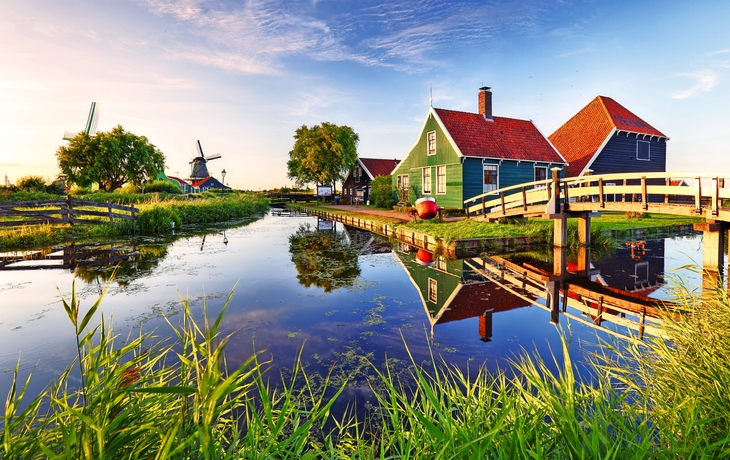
426	208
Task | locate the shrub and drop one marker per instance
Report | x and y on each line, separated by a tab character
31	184
161	186
55	188
128	189
381	192
159	220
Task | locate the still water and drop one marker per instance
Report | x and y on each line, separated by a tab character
346	297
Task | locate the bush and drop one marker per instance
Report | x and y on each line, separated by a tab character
55	188
161	186
31	184
159	220
129	189
381	192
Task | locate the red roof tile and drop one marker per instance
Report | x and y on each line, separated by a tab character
503	138
579	138
378	166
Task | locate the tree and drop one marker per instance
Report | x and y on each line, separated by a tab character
109	158
381	192
322	154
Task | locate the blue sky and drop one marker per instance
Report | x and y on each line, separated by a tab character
241	76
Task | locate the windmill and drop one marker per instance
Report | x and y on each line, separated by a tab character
198	169
91	122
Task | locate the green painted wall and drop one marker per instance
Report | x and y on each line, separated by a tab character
418	158
446	281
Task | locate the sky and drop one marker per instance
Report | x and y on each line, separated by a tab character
242	76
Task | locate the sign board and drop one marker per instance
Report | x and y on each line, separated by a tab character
325	225
324	190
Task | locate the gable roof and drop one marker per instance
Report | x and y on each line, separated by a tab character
375	167
500	138
581	138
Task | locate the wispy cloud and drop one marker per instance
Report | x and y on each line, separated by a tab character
588	49
257	35
704	81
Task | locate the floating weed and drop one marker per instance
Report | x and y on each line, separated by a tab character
291	335
331	312
407	326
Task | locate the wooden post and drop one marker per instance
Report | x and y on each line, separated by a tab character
70	209
524	199
584	229
553	300
599	318
667	183
501	195
644	197
484	207
642	320
715	193
713	250
698	195
560	237
111	216
623	195
560	259
600	192
485	325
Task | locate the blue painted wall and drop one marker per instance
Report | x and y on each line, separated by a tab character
509	173
619	155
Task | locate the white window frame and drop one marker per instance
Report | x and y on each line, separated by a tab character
648	150
358	173
440	187
441	263
431	143
642	277
496	171
433	295
535	172
426	182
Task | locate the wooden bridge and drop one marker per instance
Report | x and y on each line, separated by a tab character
675	193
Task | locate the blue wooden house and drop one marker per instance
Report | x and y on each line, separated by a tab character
459	155
607	138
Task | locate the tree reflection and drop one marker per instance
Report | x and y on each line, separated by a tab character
323	259
147	258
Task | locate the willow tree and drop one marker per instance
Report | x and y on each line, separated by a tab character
322	154
110	159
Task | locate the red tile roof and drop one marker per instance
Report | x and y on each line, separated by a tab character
473	299
503	138
378	167
579	138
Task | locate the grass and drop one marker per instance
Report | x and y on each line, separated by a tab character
156	216
180	400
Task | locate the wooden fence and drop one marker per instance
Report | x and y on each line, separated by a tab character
70	257
66	211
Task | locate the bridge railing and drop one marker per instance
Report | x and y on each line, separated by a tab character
701	191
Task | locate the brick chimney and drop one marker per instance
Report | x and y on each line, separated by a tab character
485	102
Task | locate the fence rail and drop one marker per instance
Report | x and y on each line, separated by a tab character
63	212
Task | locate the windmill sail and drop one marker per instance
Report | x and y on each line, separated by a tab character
90	127
198	168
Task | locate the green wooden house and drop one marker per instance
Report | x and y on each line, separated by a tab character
451	290
459	155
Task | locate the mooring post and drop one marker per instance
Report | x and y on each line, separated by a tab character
485	325
713	251
553	300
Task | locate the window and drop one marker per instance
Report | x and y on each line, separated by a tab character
432	291
432	142
490	178
540	173
358	173
403	188
441	179
642	150
426	180
441	263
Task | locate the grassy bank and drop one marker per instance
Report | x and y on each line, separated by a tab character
157	213
180	400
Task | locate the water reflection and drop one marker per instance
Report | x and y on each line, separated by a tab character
614	289
323	258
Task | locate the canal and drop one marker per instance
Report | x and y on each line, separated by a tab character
344	297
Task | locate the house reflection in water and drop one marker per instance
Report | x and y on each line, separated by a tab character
451	291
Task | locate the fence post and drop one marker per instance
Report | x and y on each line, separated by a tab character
69	207
111	217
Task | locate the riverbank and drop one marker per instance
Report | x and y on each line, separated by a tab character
464	237
159	214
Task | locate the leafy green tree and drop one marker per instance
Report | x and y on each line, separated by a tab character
322	154
31	184
381	192
111	159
